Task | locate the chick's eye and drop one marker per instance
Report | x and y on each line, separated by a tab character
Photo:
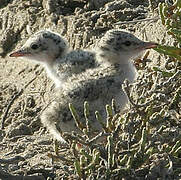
34	46
127	43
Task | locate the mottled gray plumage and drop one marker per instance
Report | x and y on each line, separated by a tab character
75	62
97	86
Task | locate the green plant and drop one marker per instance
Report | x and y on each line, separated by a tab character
170	15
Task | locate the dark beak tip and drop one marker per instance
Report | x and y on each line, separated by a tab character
155	45
10	55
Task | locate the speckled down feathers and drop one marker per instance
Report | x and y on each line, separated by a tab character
47	41
43	36
75	62
97	86
118	46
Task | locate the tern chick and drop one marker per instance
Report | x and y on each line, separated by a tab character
52	50
98	85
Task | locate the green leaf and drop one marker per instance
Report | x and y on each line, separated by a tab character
169	50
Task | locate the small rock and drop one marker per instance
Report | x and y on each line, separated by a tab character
21	129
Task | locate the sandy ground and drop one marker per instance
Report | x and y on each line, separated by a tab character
25	146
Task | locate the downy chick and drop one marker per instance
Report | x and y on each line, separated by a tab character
52	51
98	86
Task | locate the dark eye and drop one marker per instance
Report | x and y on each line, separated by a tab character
127	43
34	46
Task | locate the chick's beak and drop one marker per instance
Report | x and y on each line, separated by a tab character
18	53
149	45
